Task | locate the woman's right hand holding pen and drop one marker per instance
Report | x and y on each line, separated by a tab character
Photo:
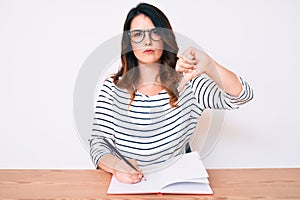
126	174
120	169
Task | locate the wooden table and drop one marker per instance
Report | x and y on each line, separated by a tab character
92	184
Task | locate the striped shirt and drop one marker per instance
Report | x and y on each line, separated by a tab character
150	130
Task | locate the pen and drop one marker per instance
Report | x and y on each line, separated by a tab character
119	154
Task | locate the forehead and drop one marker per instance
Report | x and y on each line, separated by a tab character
141	22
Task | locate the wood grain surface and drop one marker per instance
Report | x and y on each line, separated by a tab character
240	184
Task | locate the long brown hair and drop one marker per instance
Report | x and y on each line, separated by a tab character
168	76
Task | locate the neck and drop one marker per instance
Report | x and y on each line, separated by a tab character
149	79
149	73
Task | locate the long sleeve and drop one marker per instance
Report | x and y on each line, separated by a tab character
103	125
209	95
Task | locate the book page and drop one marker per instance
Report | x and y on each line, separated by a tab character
188	166
145	186
188	169
188	188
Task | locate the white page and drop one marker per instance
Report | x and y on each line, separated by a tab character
142	187
188	188
188	168
197	180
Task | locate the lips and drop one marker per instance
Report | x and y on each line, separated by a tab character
148	51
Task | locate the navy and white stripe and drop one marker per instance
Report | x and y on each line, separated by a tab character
150	130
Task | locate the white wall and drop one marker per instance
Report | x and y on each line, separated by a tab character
44	43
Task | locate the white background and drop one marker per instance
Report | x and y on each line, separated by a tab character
43	45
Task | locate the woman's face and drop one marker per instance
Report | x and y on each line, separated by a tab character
148	50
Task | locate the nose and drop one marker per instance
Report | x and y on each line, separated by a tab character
147	39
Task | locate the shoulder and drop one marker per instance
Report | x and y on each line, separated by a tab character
105	86
108	83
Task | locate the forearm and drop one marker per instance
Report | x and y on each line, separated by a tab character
224	78
194	62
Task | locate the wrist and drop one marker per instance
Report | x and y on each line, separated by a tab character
109	163
211	68
181	84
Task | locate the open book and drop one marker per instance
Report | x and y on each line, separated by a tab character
187	175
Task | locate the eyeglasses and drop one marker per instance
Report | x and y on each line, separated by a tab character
138	36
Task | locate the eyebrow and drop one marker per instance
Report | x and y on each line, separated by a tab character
149	29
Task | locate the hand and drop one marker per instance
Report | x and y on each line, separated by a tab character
193	62
126	174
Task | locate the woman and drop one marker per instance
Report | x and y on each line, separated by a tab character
150	108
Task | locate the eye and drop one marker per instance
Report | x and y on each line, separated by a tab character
136	34
155	32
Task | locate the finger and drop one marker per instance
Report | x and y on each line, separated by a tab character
140	177
136	175
136	180
134	163
181	66
185	70
188	59
187	64
125	177
188	53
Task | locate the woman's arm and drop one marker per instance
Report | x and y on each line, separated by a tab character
194	62
224	78
103	127
214	86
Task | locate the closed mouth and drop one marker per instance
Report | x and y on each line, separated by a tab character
148	51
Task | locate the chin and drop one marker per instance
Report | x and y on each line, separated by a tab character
149	60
